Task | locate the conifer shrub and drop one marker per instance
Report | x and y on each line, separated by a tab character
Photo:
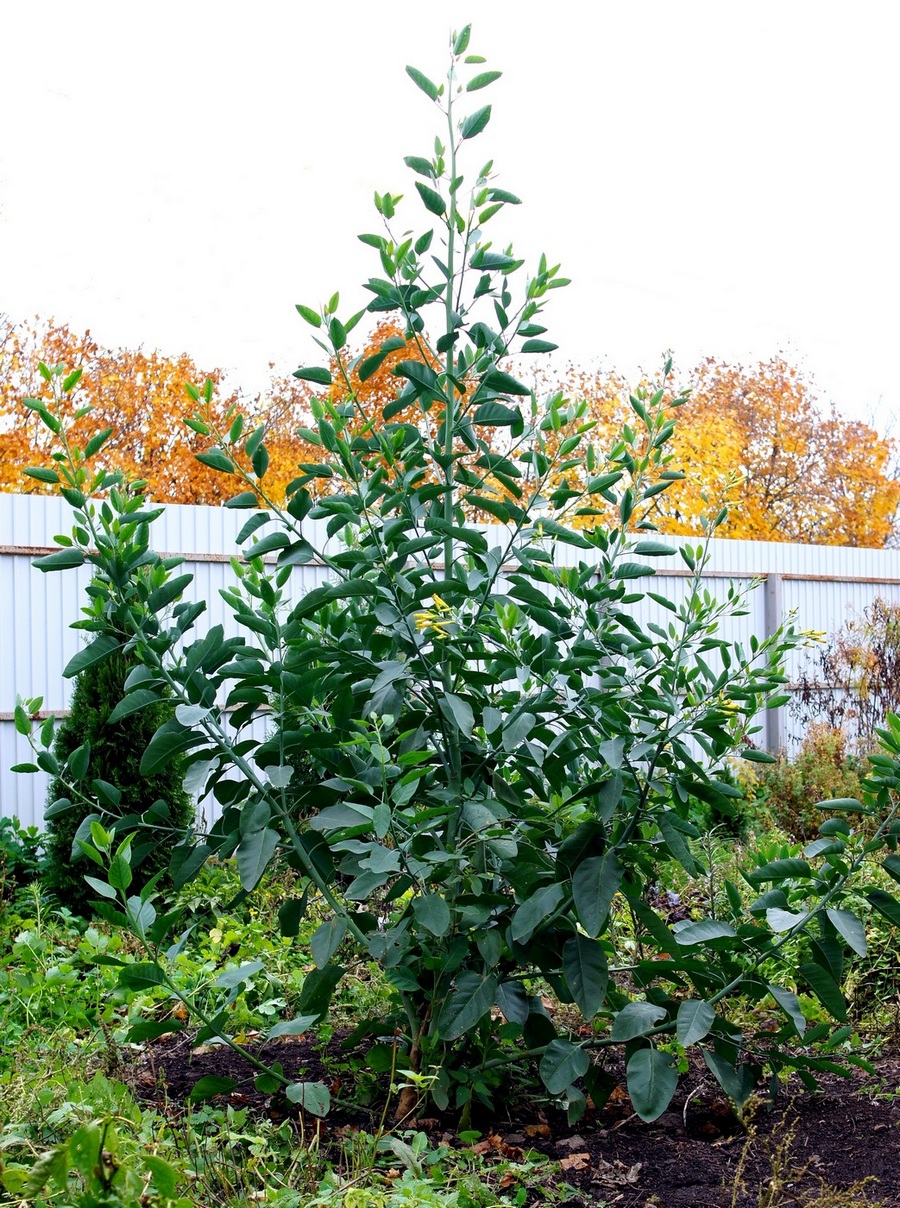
112	751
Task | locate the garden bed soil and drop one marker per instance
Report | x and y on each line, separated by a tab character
696	1155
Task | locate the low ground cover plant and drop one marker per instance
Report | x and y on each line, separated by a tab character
475	755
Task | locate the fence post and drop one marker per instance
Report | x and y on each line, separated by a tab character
774	615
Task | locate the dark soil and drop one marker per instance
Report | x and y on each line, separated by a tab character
697	1155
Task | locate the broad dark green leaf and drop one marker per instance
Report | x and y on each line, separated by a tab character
704	932
652	1079
141	975
432	200
169	591
562	1064
326	940
317	990
504	383
475	122
469	1002
312	1097
210	1085
64	559
594	885
790	1004
536	910
512	999
694	1020
432	913
321	377
585	969
170	739
636	1019
216	460
101	647
253	855
885	904
825	989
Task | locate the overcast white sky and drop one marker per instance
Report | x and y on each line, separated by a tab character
716	177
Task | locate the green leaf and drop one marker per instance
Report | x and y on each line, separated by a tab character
512	999
422	81
825	989
432	913
210	1085
253	855
246	499
169	591
471	1000
504	383
695	1018
754	756
536	910
636	1019
64	559
101	887
458	711
318	987
585	969
652	1079
311	316
216	460
594	885
326	939
96	652
166	1177
236	977
790	1004
704	932
170	739
738	1085
482	80
885	904
432	200
562	1064
461	40
783	920
850	927
321	377
292	1027
41	474
312	1097
475	122
141	975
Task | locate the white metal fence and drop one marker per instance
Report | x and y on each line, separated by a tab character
824	585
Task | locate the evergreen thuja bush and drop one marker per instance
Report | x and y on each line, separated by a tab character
111	751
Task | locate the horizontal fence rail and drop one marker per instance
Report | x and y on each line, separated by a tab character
823	586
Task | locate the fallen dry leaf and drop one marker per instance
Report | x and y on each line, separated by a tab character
577	1161
537	1130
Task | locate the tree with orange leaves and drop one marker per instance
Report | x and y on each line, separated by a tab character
758	443
141	396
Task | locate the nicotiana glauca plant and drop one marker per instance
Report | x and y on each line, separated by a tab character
494	752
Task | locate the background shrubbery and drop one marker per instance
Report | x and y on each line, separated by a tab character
114	752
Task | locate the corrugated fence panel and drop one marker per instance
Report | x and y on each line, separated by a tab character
824	586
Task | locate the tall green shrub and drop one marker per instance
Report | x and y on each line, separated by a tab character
501	750
111	752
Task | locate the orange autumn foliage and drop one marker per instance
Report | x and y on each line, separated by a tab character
141	396
753	441
758	441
